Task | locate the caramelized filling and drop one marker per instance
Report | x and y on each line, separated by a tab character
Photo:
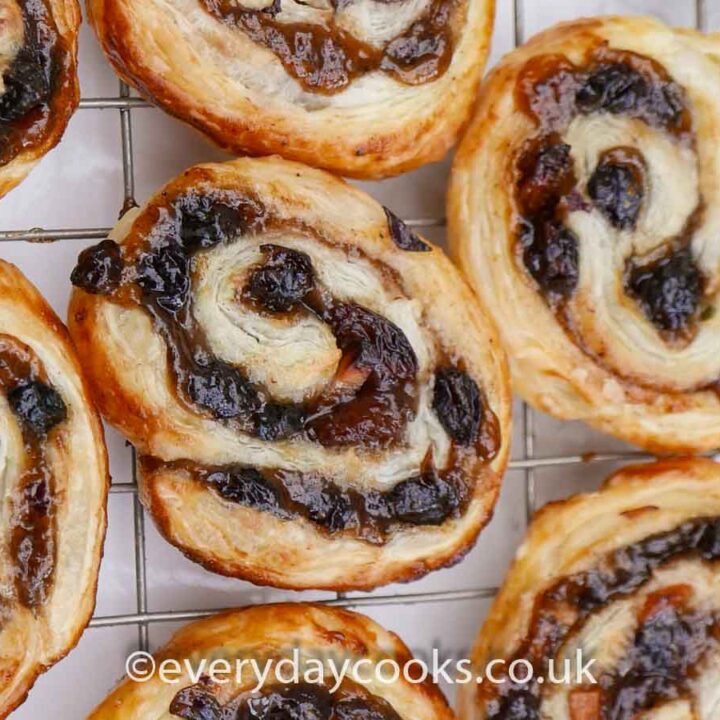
296	702
367	405
669	644
430	498
326	58
553	92
38	409
34	77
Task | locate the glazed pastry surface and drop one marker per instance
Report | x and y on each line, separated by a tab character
584	208
628	578
306	635
53	470
366	88
39	88
317	398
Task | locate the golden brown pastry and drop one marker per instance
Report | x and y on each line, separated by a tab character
39	87
366	88
317	398
623	583
53	470
317	641
585	208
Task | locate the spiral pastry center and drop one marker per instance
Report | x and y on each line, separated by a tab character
287	342
666	629
613	218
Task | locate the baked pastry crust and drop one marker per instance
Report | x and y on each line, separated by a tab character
602	273
371	489
203	69
269	634
53	467
30	134
628	576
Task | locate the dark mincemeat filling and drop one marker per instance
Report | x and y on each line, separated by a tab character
38	408
429	499
327	59
30	81
670	642
295	702
553	91
368	404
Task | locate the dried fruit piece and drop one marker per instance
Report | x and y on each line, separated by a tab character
206	222
163	275
617	187
246	486
546	175
668	290
99	268
424	500
403	236
551	256
223	390
457	401
282	280
26	84
38	406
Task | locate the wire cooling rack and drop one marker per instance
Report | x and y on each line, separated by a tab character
125	103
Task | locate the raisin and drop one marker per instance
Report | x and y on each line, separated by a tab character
246	486
378	506
546	176
418	54
659	666
222	390
457	401
276	422
195	703
282	281
709	543
206	223
99	268
551	256
620	89
402	236
290	703
517	703
356	709
668	290
323	502
377	344
616	88
617	191
38	406
26	85
423	500
163	274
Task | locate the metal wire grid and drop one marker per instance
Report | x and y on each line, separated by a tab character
142	618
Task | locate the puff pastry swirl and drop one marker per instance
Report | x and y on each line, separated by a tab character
53	470
628	576
39	87
317	397
307	635
366	88
584	207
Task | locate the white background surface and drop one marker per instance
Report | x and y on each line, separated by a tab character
80	185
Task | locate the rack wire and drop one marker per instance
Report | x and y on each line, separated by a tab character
125	103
